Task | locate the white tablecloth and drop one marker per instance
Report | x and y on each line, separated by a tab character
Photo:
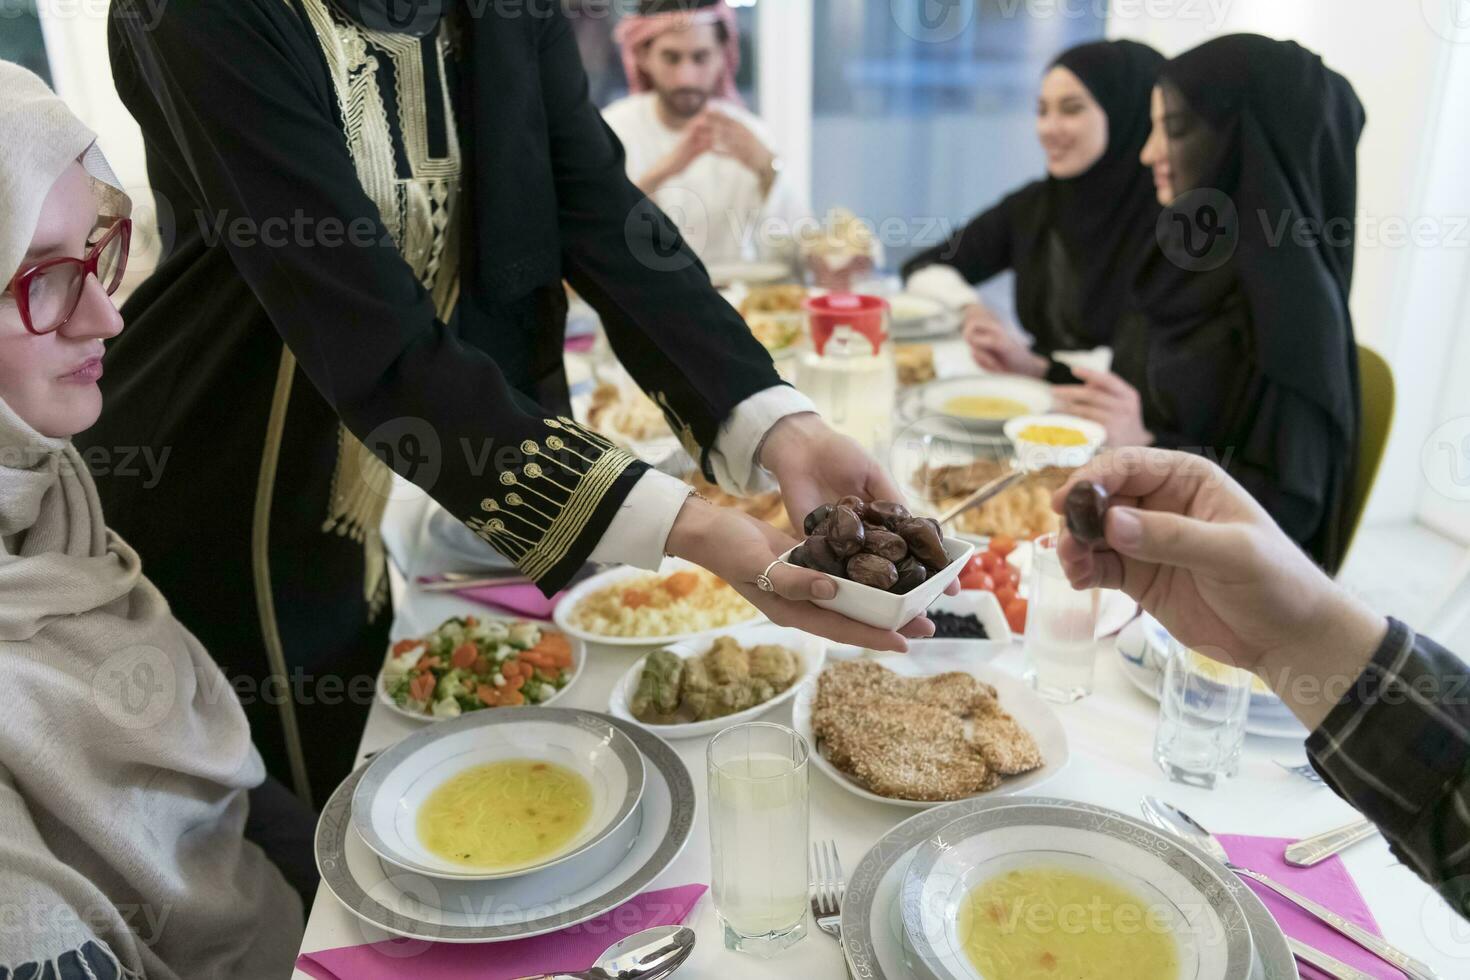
1111	738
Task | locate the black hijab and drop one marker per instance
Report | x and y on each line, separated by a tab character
416	18
1263	140
1105	216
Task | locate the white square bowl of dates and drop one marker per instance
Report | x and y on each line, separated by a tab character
889	610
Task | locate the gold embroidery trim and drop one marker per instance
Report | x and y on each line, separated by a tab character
421	215
265	600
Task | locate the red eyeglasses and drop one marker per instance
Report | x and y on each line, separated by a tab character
47	293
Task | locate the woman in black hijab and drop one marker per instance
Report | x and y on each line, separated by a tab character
1075	237
1244	348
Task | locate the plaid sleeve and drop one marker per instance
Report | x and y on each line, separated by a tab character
1397	747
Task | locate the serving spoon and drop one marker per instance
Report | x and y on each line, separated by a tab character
648	955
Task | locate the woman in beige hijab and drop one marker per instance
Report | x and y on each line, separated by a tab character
127	774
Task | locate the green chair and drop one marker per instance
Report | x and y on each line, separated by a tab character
1375	387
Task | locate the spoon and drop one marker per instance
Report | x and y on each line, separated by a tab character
648	955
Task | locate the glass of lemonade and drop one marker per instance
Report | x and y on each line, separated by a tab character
1061	627
758	836
1202	711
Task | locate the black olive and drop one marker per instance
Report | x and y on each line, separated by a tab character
911	573
845	532
815	518
885	544
1086	508
880	573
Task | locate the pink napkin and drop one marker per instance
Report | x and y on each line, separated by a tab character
526	600
574	948
1328	883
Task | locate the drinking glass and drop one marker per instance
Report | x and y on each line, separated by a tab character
758	836
1061	628
1202	710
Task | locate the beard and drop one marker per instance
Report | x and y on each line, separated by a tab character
684	103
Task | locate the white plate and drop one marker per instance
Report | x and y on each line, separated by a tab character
612	576
651	450
811	649
726	274
579	663
872	922
1015	695
1142	645
398	781
1198	900
887	610
401	903
1035	395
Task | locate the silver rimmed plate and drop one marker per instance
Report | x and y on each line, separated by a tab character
400	781
390	901
872	922
1195	901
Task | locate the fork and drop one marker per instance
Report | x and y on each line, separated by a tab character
1305	771
827	888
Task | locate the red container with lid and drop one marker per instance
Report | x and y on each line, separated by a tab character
866	315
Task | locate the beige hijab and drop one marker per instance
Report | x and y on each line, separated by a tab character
124	754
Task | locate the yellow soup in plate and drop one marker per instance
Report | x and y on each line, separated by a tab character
505	814
1052	435
1046	922
985	407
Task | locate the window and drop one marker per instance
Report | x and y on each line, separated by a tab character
20	36
921	118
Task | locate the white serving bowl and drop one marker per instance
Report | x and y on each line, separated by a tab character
811	649
936	396
1036	455
983	606
386	804
886	610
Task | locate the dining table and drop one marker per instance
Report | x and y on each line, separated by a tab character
1110	734
1111	737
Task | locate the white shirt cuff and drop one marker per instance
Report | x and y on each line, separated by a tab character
640	529
733	455
942	283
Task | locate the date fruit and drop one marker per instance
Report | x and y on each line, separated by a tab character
1086	509
885	544
816	519
911	573
924	543
820	556
880	573
845	532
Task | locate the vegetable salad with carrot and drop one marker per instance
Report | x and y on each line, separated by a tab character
467	664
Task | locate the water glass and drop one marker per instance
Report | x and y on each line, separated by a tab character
1202	711
1061	629
758	836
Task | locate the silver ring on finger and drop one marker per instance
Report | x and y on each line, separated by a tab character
763	580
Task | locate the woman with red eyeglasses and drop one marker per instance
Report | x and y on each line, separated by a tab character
131	796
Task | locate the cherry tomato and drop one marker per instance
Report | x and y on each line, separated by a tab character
977	579
992	562
1002	545
1016	615
1004	594
1010	574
